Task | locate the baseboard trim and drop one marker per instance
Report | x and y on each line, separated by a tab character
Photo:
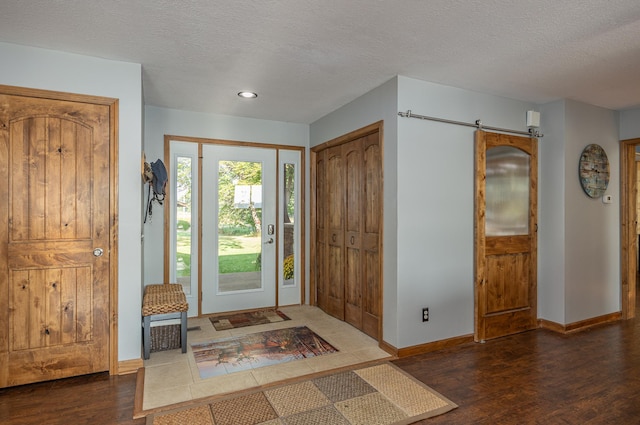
581	325
126	367
388	348
433	346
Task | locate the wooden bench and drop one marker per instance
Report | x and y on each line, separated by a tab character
163	302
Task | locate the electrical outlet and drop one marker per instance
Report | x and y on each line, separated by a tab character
425	314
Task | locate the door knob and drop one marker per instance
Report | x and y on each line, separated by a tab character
269	241
98	252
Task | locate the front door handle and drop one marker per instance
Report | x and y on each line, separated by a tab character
270	241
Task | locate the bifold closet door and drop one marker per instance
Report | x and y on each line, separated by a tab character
348	226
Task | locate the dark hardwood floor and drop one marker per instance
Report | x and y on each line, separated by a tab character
537	377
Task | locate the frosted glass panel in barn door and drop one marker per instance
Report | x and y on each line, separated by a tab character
507	191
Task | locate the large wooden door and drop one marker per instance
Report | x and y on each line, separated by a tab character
346	257
505	234
54	238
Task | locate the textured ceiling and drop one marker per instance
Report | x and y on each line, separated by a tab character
306	58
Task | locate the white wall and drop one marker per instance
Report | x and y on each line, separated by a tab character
629	124
436	205
592	228
161	121
64	72
551	213
378	104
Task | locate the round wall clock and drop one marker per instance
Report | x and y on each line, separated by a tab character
594	171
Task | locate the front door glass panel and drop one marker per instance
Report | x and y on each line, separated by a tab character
239	226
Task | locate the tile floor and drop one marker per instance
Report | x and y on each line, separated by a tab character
172	377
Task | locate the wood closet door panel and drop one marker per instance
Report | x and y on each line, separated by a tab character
354	193
335	232
320	259
372	227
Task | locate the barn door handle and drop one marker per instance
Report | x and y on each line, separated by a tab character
98	252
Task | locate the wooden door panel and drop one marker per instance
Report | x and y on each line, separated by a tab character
54	158
335	295
354	193
372	287
507	283
354	187
321	248
61	205
373	184
371	241
50	307
335	230
353	286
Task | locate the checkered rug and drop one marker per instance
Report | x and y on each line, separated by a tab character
381	394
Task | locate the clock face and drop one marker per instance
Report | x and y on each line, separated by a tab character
594	171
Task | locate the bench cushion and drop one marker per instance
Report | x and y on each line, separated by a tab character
162	302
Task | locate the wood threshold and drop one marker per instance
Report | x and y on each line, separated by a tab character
139	398
126	367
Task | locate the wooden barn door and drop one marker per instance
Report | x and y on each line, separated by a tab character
54	238
506	234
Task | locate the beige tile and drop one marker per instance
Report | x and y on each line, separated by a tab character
348	340
166	396
280	372
223	384
167	376
166	357
371	353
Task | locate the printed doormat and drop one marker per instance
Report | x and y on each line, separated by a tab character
237	353
376	395
251	318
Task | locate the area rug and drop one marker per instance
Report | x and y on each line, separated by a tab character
237	353
382	394
251	318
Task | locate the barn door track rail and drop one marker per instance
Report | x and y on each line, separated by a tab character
533	132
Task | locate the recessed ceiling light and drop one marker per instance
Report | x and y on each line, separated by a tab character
248	94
